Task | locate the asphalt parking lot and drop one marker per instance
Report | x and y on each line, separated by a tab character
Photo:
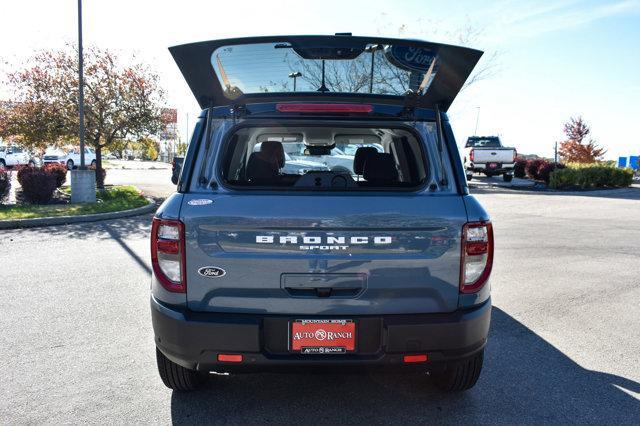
77	347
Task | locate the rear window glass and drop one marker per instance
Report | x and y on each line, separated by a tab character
483	142
282	68
324	158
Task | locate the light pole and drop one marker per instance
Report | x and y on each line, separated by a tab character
83	181
475	133
80	85
294	76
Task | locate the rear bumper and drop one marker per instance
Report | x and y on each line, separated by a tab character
482	168
194	340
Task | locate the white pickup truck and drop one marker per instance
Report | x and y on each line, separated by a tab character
485	154
14	156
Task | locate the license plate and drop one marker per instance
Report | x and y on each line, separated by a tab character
492	165
323	336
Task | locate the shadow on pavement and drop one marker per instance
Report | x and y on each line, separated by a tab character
631	193
525	380
130	227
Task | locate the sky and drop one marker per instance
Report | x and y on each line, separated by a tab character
548	60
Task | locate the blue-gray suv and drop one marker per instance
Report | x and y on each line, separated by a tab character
380	264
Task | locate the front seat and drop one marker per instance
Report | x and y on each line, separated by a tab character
380	170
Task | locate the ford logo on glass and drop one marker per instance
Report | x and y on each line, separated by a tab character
410	58
212	272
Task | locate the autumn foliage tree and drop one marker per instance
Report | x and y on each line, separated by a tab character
122	100
579	148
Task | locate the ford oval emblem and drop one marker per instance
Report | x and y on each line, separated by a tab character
212	272
410	58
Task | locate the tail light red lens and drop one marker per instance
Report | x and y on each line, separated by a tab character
318	108
477	256
471	155
167	254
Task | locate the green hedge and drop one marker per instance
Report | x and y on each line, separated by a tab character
584	176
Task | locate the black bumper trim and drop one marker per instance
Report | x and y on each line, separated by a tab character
193	340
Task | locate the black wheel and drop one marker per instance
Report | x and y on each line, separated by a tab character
2	164
461	375
175	376
507	177
70	165
469	177
93	163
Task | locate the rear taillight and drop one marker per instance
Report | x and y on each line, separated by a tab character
471	155
477	256
318	108
167	254
515	155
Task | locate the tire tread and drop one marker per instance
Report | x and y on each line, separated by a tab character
175	376
460	376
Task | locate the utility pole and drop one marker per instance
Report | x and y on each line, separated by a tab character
555	153
81	85
475	133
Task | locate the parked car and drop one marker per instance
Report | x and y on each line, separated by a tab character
254	269
70	159
485	154
15	156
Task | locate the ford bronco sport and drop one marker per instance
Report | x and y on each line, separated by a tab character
380	265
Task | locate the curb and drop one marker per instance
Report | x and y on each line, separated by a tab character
64	220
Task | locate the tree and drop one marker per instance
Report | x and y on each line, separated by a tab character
355	76
577	149
149	149
122	101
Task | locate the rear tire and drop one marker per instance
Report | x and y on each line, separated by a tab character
469	177
175	376
70	165
460	376
507	177
3	165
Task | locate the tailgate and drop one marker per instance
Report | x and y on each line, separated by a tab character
493	155
310	254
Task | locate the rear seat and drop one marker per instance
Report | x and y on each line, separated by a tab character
380	170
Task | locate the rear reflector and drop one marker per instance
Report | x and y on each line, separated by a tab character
315	108
415	358
229	358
